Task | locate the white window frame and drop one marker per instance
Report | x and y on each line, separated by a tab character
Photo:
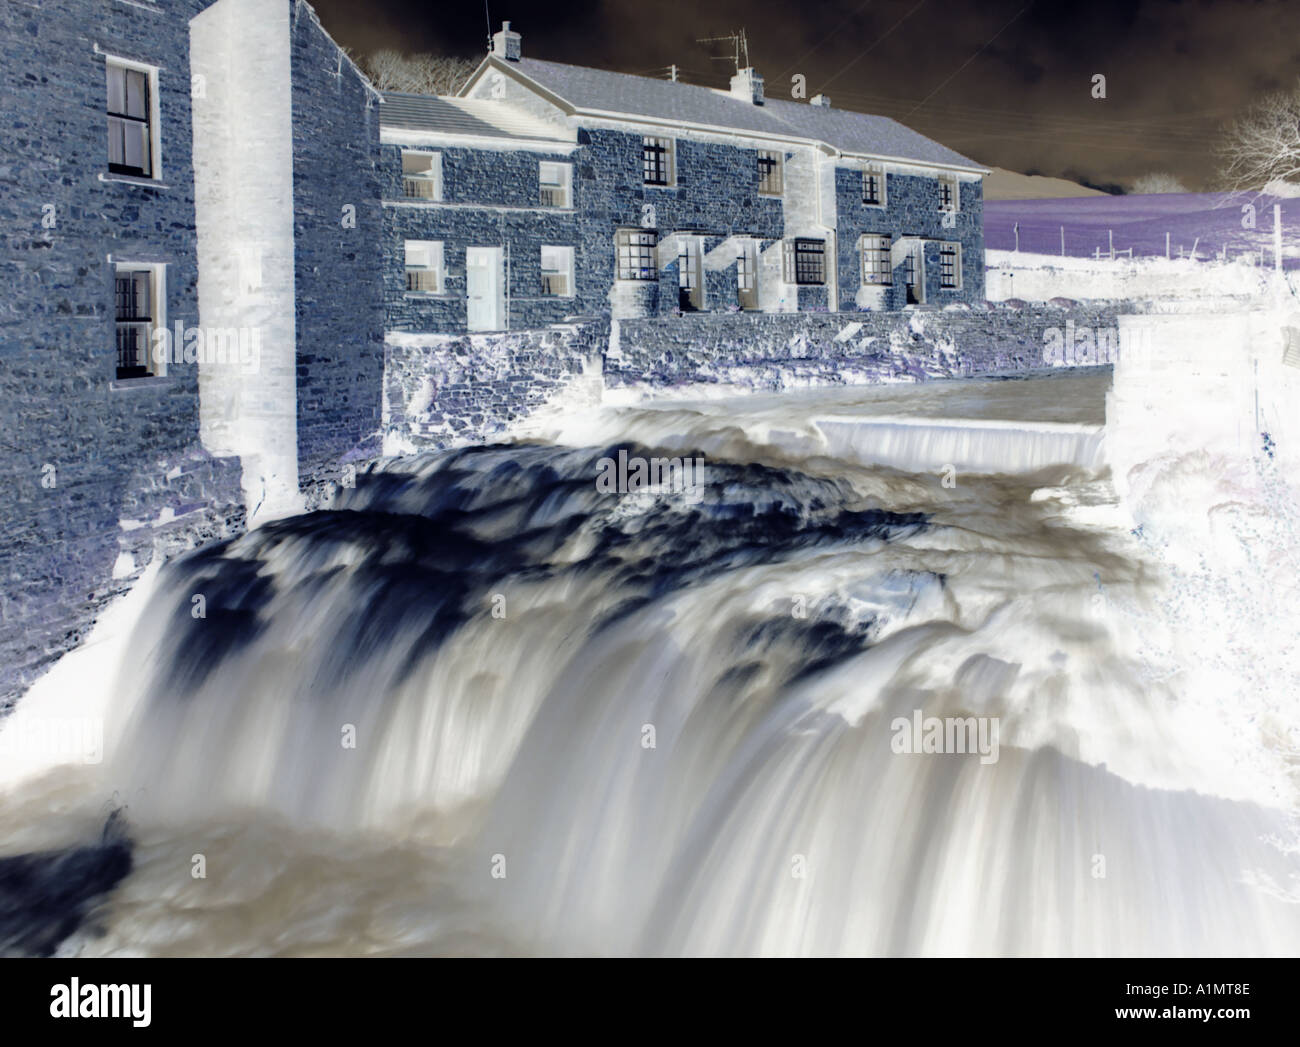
157	322
434	177
565	183
155	116
878	171
956	270
790	261
669	146
779	156
952	180
629	233
870	246
435	264
567	270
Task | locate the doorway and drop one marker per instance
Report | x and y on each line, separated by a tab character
690	275
484	289
914	271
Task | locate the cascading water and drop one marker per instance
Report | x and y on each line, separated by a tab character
480	706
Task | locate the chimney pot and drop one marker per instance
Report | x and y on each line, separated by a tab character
507	44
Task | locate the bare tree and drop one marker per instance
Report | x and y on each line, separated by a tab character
1158	182
1263	145
424	74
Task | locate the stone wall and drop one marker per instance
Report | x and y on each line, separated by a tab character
490	198
774	351
498	179
449	390
912	209
338	283
1039	278
101	475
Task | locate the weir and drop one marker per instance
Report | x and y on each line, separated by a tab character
536	717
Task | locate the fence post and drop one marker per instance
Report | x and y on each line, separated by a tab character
1017	231
1062	241
1167	246
1111	234
1277	237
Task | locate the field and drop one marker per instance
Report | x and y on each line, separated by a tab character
1210	221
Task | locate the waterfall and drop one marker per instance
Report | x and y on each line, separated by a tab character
480	706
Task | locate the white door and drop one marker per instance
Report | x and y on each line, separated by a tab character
484	289
916	273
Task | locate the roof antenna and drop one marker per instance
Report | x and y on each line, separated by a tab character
740	48
488	16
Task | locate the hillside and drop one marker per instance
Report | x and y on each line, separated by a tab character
1011	185
1211	221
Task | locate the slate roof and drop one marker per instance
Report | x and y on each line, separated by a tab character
479	118
677	102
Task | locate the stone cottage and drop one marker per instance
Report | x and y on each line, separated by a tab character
544	191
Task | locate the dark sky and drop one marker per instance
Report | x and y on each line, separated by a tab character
1005	82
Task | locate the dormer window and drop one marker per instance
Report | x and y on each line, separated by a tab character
657	161
421	175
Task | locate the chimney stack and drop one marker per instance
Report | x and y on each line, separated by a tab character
747	85
822	100
507	44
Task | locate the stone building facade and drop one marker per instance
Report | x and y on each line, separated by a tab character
220	241
194	330
659	198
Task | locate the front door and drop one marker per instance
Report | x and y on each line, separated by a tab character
690	275
747	275
484	289
916	274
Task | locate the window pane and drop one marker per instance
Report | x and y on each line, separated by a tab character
137	88
143	295
137	145
116	89
417	163
116	141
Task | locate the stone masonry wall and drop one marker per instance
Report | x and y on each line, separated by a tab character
101	475
448	390
768	352
338	282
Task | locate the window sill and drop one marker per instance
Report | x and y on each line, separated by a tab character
164	381
430	295
151	183
656	185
